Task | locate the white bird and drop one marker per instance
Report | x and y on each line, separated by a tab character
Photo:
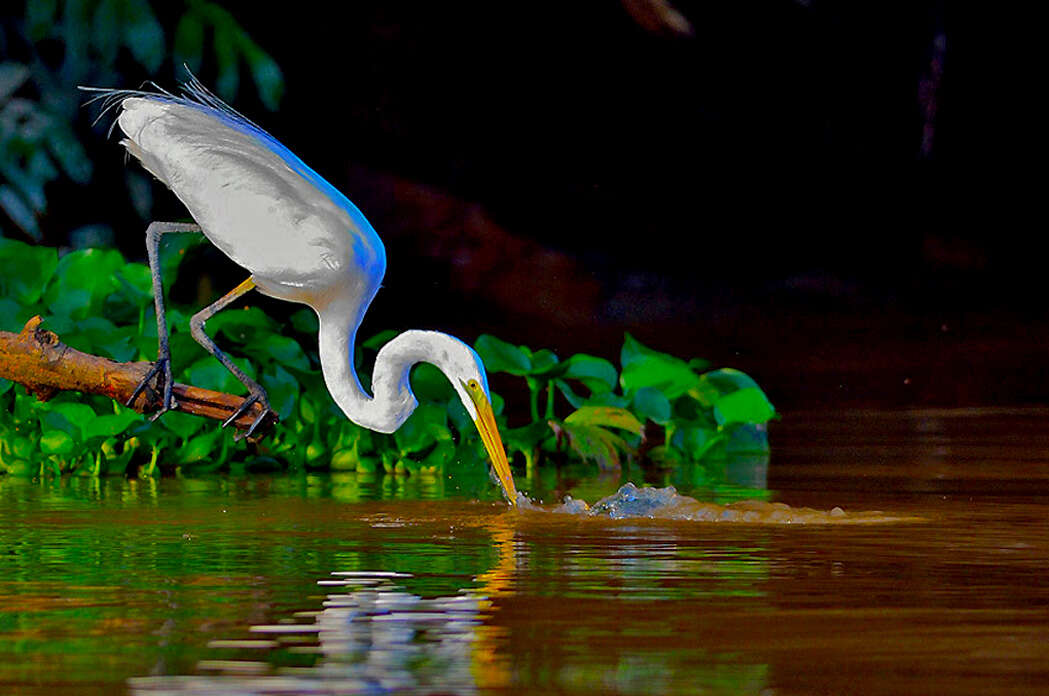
301	240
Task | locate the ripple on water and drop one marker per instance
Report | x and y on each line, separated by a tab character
631	502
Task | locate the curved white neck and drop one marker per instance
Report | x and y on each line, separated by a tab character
392	401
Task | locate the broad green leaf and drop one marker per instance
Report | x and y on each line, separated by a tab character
543	361
748	405
201	447
12	316
5	385
182	424
25	270
56	442
597	374
430	384
209	373
305	321
422	429
650	403
608	416
282	389
111	425
83	280
500	356
644	367
282	350
243	324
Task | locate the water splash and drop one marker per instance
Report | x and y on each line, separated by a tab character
631	502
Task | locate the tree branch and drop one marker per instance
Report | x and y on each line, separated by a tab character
36	359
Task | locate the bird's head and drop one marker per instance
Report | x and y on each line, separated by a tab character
472	386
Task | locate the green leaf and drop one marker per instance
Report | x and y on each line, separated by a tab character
283	350
748	405
305	321
430	384
644	367
597	374
182	424
244	324
200	447
282	388
608	416
112	424
543	361
424	427
83	280
650	403
25	270
500	356
209	373
56	442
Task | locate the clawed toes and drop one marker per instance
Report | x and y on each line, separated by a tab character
243	408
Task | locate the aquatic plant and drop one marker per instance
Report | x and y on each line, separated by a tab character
580	408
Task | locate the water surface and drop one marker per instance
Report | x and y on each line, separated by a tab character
227	585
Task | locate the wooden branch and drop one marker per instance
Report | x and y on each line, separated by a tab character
36	359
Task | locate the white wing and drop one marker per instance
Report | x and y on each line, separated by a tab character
255	200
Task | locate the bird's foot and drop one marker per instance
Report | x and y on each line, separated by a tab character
256	396
161	370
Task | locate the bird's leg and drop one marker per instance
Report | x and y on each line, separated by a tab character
162	366
255	392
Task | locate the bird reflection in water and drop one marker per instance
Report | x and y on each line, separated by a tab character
371	637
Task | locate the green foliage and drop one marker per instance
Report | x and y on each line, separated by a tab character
581	407
61	45
699	413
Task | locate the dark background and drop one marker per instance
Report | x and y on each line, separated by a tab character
829	196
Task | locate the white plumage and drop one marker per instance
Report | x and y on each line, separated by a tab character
302	241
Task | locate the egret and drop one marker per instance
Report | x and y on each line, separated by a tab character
301	240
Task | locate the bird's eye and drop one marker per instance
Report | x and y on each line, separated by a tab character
472	384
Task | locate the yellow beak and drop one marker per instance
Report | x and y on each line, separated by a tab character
493	443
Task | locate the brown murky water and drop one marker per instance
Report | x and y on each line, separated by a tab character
211	586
